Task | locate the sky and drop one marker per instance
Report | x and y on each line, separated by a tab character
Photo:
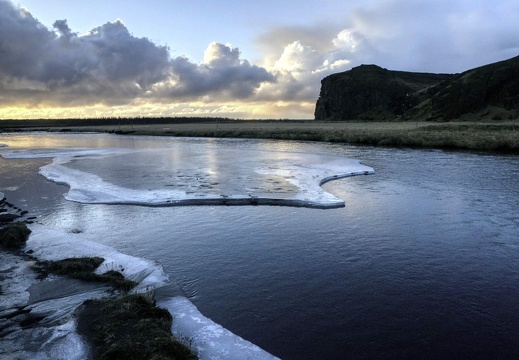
239	59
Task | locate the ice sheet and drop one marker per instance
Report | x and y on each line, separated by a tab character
209	340
50	244
53	337
166	177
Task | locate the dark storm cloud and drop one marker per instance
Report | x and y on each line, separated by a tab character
107	65
21	39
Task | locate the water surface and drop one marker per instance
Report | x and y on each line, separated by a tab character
421	262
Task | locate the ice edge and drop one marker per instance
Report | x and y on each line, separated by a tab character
56	173
205	337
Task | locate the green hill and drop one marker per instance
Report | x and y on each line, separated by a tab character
369	92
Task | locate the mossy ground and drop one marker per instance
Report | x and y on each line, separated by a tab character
129	328
14	236
126	327
84	269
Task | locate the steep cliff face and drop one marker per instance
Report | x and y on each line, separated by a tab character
369	92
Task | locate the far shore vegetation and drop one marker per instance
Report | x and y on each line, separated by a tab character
494	136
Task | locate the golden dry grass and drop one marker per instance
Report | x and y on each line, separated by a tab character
478	136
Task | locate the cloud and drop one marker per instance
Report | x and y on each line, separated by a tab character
221	76
294	72
109	65
299	68
408	35
58	67
439	36
219	55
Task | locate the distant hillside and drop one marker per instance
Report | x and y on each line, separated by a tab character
369	92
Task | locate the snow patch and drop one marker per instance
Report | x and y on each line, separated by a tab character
50	244
207	339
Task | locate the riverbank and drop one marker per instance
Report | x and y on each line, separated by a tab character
115	324
474	136
65	297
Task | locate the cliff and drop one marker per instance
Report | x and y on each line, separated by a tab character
369	92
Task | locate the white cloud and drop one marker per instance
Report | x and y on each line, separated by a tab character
297	59
437	36
408	35
299	70
346	39
220	55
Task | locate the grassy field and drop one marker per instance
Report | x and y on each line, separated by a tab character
478	136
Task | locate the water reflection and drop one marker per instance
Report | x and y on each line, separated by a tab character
421	263
187	172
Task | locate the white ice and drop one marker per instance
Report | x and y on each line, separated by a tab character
50	244
60	340
209	340
55	337
306	172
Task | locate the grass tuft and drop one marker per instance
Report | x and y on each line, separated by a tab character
129	327
84	269
14	236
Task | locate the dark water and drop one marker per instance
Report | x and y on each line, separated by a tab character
422	262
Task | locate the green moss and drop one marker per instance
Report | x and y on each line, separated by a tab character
73	267
117	280
129	327
84	269
14	236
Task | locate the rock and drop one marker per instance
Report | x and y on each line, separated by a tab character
369	92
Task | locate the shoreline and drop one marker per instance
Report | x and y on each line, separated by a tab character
75	285
79	335
501	137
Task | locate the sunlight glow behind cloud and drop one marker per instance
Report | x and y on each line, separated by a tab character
54	71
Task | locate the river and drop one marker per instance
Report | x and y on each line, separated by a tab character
416	260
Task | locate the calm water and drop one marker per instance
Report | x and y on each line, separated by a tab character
420	263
